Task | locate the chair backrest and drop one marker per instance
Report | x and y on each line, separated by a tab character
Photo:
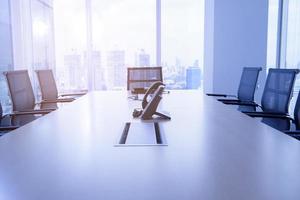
1	112
248	83
47	84
20	90
278	90
141	77
297	112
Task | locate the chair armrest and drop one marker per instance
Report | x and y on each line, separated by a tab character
32	112
229	100
295	134
268	115
65	100
8	128
241	103
216	95
73	94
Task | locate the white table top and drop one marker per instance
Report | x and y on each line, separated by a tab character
213	152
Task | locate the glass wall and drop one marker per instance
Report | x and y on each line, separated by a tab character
33	31
42	32
123	35
97	40
272	33
42	39
182	39
292	46
6	53
70	44
293	35
289	46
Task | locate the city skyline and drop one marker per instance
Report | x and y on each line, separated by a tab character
113	26
110	70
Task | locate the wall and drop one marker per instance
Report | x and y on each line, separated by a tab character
235	37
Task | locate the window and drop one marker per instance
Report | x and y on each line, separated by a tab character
123	35
182	43
272	33
70	44
292	59
6	55
42	34
42	39
290	40
97	40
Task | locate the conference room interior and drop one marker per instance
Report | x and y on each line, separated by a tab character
151	99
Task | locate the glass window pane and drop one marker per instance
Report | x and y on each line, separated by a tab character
6	55
293	43
123	34
293	35
42	35
272	33
182	43
42	40
70	44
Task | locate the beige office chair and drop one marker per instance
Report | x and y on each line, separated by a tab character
21	93
143	77
49	89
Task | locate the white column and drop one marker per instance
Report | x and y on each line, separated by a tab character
89	50
208	46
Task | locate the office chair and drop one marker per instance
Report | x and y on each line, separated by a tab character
277	93
285	123
21	93
142	77
246	88
5	123
296	121
49	89
12	121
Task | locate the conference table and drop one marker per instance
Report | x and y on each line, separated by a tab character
209	151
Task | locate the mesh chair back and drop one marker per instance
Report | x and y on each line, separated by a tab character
1	113
278	90
20	89
248	83
141	77
297	112
47	84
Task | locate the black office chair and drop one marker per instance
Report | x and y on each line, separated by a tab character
295	121
246	89
277	93
142	77
12	121
5	123
285	123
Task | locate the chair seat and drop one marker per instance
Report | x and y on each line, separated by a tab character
246	88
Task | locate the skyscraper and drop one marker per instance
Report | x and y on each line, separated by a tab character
143	59
116	68
98	70
193	78
76	73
